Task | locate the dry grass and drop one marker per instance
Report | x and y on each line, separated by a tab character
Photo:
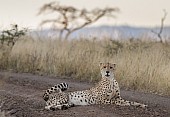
141	65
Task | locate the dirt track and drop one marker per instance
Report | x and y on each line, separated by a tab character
21	96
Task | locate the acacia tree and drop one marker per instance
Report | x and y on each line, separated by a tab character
12	35
70	19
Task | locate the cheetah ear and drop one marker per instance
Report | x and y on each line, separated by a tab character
100	64
114	65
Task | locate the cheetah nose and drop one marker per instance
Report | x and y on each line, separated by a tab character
107	72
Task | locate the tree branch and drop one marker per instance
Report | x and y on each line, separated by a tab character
68	17
162	26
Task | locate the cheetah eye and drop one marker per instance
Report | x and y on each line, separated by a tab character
111	67
104	67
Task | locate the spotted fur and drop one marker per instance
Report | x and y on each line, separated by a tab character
55	89
105	92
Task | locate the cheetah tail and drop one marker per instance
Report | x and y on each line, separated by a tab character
57	88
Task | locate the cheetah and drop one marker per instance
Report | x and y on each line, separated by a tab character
106	91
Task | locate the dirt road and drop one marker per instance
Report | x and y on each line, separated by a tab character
21	96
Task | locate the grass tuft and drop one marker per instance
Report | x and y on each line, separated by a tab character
141	64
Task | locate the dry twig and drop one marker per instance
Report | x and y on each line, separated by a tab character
162	26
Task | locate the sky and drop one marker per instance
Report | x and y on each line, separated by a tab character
145	13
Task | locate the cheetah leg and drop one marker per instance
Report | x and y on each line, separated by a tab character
59	107
121	102
53	105
47	107
56	107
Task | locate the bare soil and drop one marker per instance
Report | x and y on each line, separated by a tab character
21	96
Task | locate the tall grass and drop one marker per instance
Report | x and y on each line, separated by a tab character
141	65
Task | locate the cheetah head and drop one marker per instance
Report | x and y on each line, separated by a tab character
107	69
